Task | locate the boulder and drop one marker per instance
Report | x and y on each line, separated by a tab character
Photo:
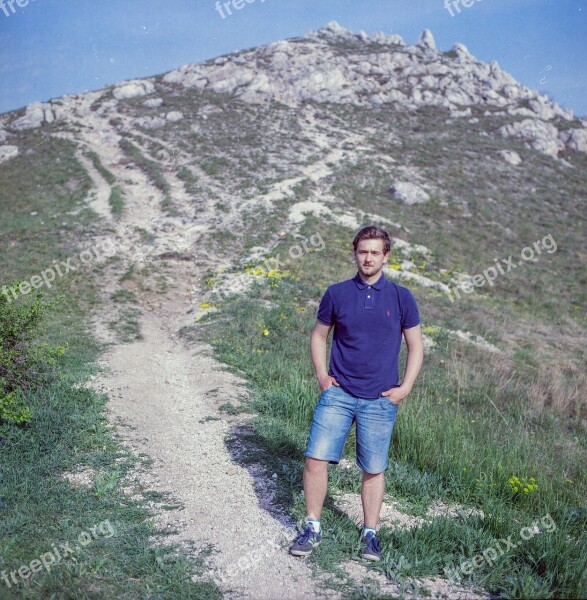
540	135
543	108
36	114
153	102
426	40
174	116
228	77
575	139
187	76
149	122
462	51
409	193
511	157
8	152
334	29
387	40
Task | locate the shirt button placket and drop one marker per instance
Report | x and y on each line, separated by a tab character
369	298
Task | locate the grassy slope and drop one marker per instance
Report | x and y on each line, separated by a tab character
38	508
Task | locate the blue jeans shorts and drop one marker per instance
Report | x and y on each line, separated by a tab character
334	414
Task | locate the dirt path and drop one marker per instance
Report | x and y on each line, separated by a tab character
162	394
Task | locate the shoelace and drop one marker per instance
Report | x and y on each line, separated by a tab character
306	534
373	543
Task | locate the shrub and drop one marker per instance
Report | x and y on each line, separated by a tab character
25	363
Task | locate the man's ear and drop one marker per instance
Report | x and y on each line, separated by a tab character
385	257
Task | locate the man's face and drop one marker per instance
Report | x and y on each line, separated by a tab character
370	257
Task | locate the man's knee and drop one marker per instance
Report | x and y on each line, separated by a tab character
315	465
368	475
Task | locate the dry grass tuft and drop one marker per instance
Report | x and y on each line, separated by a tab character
562	387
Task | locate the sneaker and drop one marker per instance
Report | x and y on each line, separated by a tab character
371	550
306	541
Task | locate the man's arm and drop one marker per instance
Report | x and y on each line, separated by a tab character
318	340
413	337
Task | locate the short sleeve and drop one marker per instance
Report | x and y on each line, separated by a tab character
326	309
410	314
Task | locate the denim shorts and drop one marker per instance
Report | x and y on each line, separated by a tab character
334	414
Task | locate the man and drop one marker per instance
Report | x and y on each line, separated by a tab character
369	313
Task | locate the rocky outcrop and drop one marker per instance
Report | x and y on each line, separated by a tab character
335	65
538	135
133	89
37	114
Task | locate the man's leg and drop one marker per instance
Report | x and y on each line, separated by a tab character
333	417
375	420
372	490
315	485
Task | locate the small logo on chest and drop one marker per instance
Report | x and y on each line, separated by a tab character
388	313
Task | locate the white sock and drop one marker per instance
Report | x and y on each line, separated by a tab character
315	524
366	530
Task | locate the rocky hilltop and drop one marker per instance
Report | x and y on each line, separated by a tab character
334	65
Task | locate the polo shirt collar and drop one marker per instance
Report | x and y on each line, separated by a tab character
378	285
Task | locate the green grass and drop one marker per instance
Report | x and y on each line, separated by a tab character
108	176
123	295
151	168
39	508
126	325
189	179
116	202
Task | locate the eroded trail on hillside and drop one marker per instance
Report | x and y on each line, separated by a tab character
162	395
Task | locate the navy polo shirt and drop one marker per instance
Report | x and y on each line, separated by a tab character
368	322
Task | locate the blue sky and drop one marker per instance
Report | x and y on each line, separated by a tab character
54	47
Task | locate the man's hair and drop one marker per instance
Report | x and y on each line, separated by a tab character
373	233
